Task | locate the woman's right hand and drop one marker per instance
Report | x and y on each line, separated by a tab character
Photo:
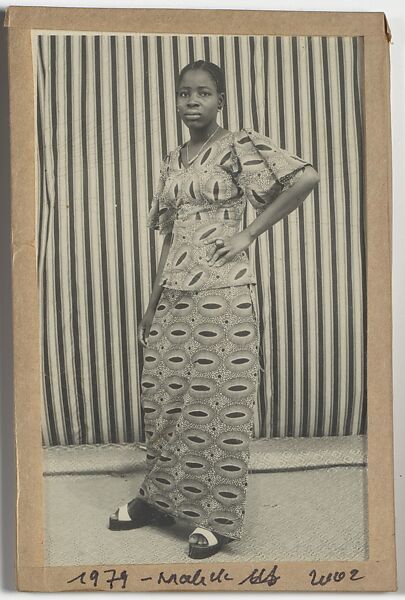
144	327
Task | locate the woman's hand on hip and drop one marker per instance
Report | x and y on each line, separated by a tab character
232	246
144	327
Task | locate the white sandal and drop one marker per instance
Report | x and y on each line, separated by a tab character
215	541
142	514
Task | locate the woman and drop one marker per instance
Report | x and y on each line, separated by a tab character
200	331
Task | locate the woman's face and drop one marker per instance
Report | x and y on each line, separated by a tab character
198	100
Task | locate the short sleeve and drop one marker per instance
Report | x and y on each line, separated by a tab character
264	170
161	214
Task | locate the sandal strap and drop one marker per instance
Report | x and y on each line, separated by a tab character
209	536
123	514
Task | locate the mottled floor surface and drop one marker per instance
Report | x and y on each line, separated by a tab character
306	514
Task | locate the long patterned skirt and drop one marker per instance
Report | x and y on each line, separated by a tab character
199	385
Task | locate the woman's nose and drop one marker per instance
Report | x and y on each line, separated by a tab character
192	101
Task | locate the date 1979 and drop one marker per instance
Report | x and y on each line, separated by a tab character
111	577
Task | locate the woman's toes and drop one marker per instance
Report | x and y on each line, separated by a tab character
198	539
201	541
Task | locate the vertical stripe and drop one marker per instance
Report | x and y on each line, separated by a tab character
96	429
320	372
103	241
275	430
120	250
222	65
207	52
304	424
346	183
261	399
68	432
331	175
289	425
177	70
134	200
301	422
238	79
253	82
163	125
267	395
72	247
191	48
145	53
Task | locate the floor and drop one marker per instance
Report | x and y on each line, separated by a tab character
306	501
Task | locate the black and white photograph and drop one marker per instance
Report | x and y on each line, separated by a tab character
201	275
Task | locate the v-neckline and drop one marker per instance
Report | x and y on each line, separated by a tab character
182	165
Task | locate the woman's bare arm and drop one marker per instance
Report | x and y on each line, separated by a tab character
146	321
286	202
157	288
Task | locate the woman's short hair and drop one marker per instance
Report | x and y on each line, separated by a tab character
214	70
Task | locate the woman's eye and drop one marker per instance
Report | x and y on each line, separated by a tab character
184	94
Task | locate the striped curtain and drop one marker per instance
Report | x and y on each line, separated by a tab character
105	117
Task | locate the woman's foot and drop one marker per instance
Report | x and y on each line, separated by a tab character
204	543
138	513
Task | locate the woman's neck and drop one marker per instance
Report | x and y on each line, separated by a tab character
197	136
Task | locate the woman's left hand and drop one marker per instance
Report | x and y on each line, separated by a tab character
232	246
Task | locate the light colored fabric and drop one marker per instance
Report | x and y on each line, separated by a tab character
105	118
239	166
208	199
187	266
199	387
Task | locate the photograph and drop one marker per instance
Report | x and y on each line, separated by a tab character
201	272
201	300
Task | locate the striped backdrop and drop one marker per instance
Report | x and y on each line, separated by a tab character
105	117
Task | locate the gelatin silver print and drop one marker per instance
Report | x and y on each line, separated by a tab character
201	264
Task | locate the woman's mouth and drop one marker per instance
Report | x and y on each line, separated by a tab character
192	115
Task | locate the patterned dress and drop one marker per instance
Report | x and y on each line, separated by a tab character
201	366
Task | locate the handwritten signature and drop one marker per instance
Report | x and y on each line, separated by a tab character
199	579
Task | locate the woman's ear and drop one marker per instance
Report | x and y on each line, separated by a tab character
221	100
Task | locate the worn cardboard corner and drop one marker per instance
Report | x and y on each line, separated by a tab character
387	29
7	16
